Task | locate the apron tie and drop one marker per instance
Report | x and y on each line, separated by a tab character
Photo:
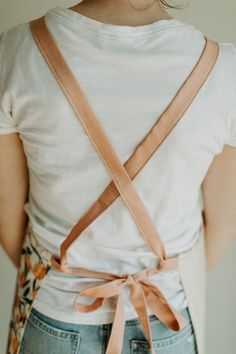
143	294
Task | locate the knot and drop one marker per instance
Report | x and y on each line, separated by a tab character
143	294
58	265
170	263
129	279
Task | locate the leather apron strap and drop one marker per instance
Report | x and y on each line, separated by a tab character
121	178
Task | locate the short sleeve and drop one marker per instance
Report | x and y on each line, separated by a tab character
232	123
232	139
7	124
228	50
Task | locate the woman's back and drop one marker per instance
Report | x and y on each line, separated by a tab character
130	75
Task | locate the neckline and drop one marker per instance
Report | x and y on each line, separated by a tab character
102	29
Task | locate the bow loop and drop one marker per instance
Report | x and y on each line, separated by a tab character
143	294
161	308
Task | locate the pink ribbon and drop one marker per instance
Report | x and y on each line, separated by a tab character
143	294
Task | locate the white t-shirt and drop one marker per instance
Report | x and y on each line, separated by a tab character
129	74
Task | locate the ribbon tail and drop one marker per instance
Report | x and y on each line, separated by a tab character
138	300
115	343
109	289
88	307
100	292
162	309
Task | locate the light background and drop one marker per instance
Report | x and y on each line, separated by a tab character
215	18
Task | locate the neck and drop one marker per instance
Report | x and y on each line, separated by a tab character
121	12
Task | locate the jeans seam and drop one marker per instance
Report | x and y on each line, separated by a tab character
54	332
106	335
136	321
161	343
76	345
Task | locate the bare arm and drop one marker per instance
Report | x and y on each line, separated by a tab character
13	194
219	195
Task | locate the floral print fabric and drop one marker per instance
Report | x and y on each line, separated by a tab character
34	264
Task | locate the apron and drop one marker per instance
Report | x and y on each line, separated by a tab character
36	261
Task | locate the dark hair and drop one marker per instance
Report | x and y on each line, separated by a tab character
169	6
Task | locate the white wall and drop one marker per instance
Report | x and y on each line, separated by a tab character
217	20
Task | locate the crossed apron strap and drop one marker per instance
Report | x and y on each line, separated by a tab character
152	141
122	175
142	291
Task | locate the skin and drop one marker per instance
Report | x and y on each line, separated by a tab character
218	187
119	12
14	188
219	195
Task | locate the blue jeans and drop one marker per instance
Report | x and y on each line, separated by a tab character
44	335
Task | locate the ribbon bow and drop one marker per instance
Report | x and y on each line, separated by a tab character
143	294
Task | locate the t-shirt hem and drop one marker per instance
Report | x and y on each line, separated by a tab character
96	319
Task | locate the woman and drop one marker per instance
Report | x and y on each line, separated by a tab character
131	58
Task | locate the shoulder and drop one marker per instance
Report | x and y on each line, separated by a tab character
222	81
12	46
14	41
227	71
227	61
228	51
17	56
